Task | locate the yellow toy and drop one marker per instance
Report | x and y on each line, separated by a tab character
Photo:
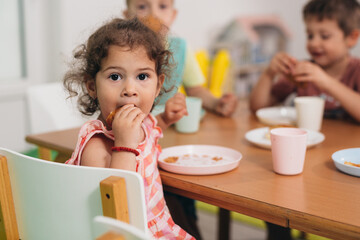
219	71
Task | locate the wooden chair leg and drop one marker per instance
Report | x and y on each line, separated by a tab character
44	153
61	158
223	224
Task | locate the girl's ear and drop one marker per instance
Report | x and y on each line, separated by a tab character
91	88
160	84
352	38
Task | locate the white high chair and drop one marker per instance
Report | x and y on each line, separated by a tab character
47	200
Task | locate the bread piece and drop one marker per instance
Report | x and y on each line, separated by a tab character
298	84
152	22
110	118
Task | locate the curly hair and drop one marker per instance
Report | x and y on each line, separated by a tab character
345	12
131	34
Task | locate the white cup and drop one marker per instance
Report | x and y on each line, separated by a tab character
190	123
309	112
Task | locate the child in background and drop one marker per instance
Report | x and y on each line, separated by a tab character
187	71
123	67
332	28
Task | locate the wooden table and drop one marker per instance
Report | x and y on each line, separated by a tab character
321	200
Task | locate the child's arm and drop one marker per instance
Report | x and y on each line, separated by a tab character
175	109
97	153
224	106
261	94
349	99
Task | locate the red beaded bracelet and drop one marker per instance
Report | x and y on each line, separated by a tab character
126	149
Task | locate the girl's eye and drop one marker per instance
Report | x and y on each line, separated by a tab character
115	77
325	37
310	36
142	76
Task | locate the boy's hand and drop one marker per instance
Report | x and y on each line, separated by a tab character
126	126
175	109
281	63
306	71
226	105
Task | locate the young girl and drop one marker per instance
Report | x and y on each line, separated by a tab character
122	67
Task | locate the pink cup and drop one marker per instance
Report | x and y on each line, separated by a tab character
288	148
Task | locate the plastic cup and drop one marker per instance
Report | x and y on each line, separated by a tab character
309	112
288	148
190	123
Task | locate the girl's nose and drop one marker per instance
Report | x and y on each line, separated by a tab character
129	89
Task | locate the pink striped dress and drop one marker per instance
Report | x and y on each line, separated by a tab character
160	222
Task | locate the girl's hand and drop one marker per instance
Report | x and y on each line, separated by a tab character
226	105
175	109
281	63
306	71
127	126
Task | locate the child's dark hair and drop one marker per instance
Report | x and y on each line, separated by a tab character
345	12
129	34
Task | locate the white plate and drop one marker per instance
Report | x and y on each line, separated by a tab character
197	159
258	137
349	155
277	115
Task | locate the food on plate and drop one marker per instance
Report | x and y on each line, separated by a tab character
194	159
216	158
267	134
352	164
171	159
